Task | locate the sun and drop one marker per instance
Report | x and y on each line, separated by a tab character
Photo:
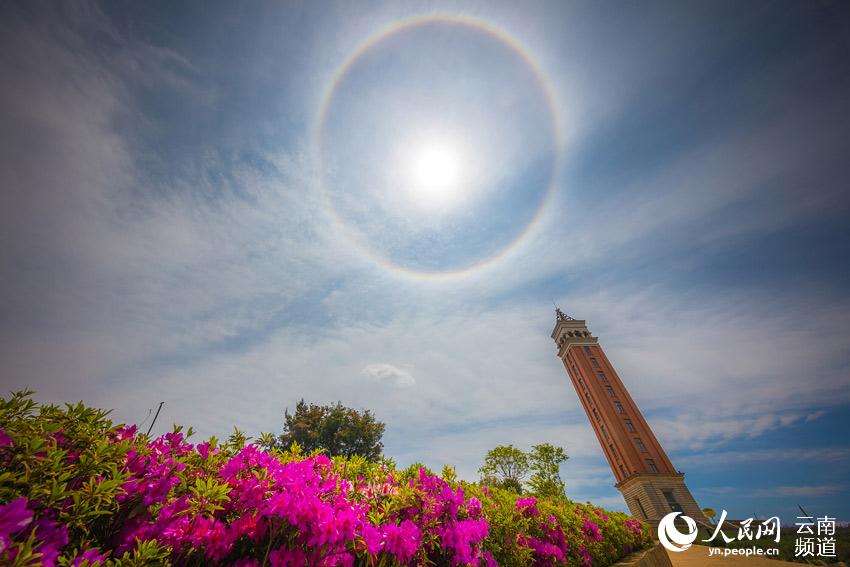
436	168
435	175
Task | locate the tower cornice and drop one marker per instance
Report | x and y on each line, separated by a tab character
569	332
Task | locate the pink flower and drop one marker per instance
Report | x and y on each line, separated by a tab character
53	538
586	560
203	449
14	517
527	506
634	527
462	537
283	557
123	433
373	538
473	507
402	540
591	530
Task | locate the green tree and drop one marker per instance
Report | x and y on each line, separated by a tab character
335	430
710	513
505	466
545	462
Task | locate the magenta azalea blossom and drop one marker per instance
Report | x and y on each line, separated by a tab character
591	530
402	540
14	517
527	506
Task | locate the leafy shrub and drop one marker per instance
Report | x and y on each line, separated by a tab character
77	490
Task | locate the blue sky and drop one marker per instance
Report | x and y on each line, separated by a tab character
182	222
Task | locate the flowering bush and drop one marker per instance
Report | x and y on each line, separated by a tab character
77	491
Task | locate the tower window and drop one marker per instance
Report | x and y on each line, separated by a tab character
594	362
613	450
610	391
620	408
581	382
587	397
640	445
604	432
602	376
671	500
622	471
595	414
651	464
640	506
587	350
629	425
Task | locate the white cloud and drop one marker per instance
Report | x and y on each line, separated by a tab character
815	415
389	374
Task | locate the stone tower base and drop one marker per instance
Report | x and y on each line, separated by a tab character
650	497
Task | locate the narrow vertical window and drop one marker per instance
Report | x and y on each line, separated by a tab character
641	447
620	408
594	362
640	506
651	464
610	391
587	350
601	376
629	425
671	501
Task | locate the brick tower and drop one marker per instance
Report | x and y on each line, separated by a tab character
645	476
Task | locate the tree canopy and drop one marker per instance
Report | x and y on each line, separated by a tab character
545	461
507	466
333	429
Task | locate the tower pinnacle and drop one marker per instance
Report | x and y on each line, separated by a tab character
561	316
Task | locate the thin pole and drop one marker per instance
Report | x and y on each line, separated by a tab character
154	417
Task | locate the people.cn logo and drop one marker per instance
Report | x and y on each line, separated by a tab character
672	538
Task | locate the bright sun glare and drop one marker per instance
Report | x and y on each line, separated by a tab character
436	168
435	175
